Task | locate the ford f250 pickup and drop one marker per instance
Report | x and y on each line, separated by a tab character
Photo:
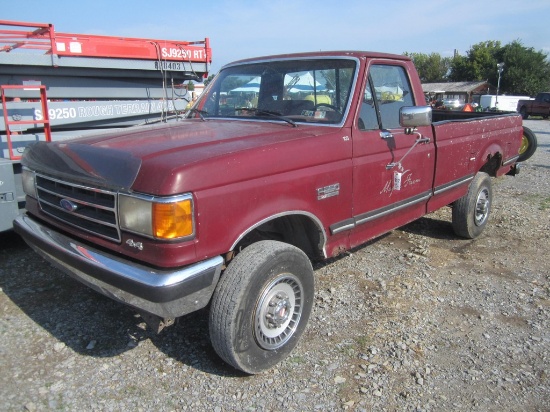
539	106
282	160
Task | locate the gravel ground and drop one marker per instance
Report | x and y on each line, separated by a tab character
418	320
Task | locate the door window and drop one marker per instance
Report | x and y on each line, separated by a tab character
368	119
391	92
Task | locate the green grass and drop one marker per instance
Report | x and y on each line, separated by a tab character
364	342
298	360
545	204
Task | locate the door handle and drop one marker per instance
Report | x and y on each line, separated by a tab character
384	134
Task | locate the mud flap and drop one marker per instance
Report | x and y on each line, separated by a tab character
514	170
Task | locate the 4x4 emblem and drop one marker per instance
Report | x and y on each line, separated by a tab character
68	205
137	245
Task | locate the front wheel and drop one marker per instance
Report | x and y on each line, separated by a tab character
471	211
261	306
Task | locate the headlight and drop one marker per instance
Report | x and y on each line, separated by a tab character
28	181
158	217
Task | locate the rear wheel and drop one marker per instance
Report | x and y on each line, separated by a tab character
471	211
261	306
528	145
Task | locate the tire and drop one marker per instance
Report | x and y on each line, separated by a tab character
528	145
523	112
261	306
471	212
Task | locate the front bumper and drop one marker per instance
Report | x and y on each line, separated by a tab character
165	293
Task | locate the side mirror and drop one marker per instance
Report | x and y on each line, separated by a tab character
414	116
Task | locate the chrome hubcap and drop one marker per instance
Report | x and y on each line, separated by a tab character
482	207
278	311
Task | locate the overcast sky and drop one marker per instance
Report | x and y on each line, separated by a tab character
241	29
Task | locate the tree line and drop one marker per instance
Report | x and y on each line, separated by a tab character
525	71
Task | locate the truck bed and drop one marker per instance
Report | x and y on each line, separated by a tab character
449	115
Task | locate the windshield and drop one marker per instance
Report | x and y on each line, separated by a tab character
306	90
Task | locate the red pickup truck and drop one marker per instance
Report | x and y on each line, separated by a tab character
540	106
282	160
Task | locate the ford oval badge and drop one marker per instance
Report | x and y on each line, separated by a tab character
68	205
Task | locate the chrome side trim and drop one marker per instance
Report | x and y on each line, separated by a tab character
378	213
342	226
451	185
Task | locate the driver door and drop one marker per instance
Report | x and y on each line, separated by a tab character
391	182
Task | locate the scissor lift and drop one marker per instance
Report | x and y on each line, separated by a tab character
63	85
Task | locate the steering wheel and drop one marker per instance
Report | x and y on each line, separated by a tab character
330	106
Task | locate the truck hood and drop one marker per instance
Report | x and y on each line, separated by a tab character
163	159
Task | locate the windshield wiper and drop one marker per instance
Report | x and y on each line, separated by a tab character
261	112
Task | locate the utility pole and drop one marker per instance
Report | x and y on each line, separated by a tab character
500	69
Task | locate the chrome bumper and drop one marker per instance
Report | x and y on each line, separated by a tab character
168	294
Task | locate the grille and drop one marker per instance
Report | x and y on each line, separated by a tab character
89	209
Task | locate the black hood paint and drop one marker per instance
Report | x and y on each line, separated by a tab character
84	164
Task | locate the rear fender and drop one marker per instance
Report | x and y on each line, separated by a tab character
491	159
